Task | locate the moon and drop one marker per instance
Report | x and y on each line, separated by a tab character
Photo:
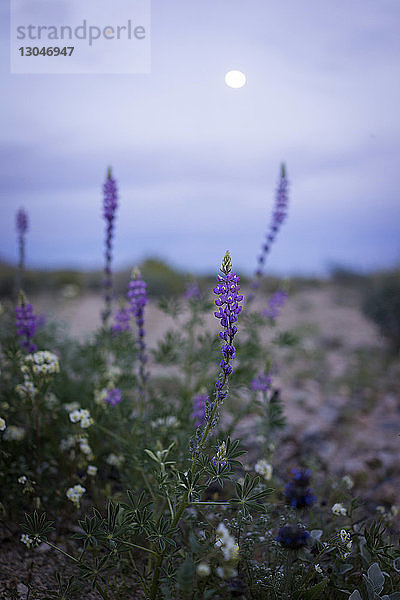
235	79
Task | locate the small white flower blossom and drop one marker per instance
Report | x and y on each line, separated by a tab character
25	539
2	424
75	416
75	494
42	363
394	510
348	481
339	509
81	416
264	468
380	509
22	480
226	542
318	568
203	569
92	470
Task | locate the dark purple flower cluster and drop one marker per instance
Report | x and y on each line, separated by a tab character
26	323
122	320
292	537
22	221
261	383
114	397
297	492
276	302
199	409
229	309
110	205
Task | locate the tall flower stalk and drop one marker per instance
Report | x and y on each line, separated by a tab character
278	217
227	302
22	227
137	295
110	205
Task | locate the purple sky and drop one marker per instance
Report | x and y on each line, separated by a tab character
197	162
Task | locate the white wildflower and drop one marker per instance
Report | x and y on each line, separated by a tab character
92	470
226	542
339	509
43	363
203	569
81	416
75	416
75	494
264	468
394	510
2	424
348	481
318	568
380	509
25	539
23	479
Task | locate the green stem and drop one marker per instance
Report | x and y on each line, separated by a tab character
60	550
140	548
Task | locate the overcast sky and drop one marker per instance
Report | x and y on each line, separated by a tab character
197	162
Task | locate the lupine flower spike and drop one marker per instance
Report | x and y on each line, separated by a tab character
275	303
22	228
278	217
138	299
122	320
228	303
26	323
109	210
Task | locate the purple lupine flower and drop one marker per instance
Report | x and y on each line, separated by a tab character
292	537
110	205
228	300
199	409
22	227
122	320
26	323
114	397
137	295
278	216
276	302
297	492
261	383
192	291
219	460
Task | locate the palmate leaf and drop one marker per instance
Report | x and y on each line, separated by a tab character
161	533
37	527
233	450
248	497
190	482
94	571
91	529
